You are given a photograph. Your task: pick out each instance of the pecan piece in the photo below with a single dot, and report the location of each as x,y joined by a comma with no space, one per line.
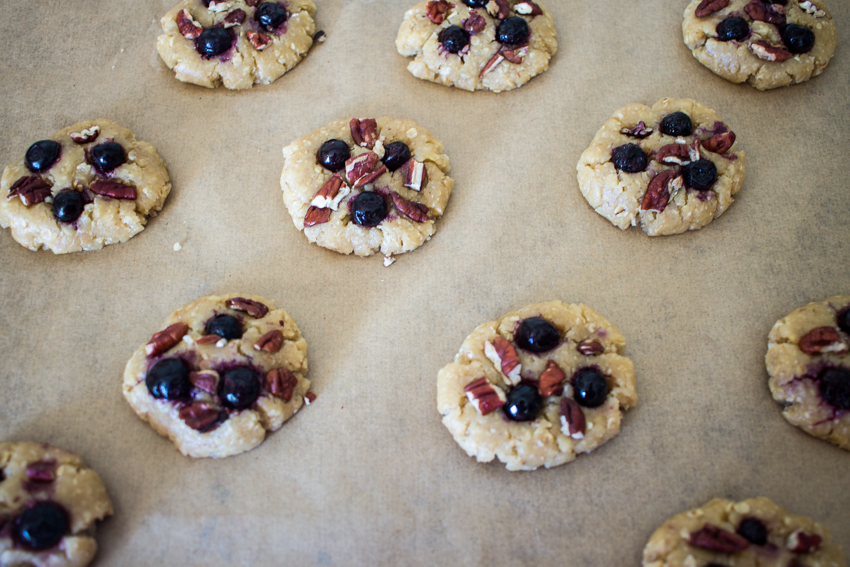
708,7
499,9
253,3
253,308
768,52
316,216
590,347
639,131
309,398
491,64
113,189
475,23
674,154
657,195
504,356
331,194
370,177
572,418
437,10
811,9
206,339
234,18
201,416
189,28
281,383
801,542
719,143
259,40
364,132
166,338
206,380
86,136
822,340
484,396
415,175
32,190
357,167
41,472
270,342
528,8
551,381
514,55
713,538
762,12
414,211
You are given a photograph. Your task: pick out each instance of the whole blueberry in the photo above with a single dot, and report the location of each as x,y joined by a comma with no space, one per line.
369,209
629,158
753,530
591,387
213,41
270,15
677,124
700,175
396,154
108,155
843,319
523,403
41,155
732,29
239,387
68,206
168,379
41,526
333,154
536,334
454,38
227,327
476,3
835,387
512,31
798,39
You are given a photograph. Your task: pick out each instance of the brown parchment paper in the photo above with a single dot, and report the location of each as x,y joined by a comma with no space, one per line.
368,475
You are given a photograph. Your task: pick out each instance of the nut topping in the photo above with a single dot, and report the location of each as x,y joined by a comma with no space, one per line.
205,380
86,136
809,7
657,195
708,7
357,167
639,131
414,211
591,347
415,175
437,10
281,383
309,398
573,422
207,339
719,143
259,40
491,64
32,190
201,416
770,13
504,356
166,338
270,342
764,50
528,8
370,177
234,18
475,23
364,132
552,380
713,538
113,189
253,3
801,542
499,9
316,216
822,340
674,154
514,55
253,308
484,396
189,28
331,194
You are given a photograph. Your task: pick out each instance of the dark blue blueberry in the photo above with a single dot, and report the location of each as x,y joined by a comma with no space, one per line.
369,209
41,526
512,31
753,530
700,175
396,154
454,38
798,39
476,3
835,387
108,155
270,15
629,158
68,206
523,403
225,326
333,155
168,379
677,124
239,388
536,334
732,29
213,41
41,155
591,387
843,319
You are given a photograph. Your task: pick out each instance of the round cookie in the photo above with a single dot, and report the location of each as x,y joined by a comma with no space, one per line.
237,43
49,502
809,367
224,370
91,185
537,387
478,45
367,185
751,533
670,168
767,44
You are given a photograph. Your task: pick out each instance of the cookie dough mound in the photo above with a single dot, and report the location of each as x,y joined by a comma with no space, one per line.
49,502
537,387
367,185
767,44
808,361
224,370
237,43
476,45
670,168
91,185
750,533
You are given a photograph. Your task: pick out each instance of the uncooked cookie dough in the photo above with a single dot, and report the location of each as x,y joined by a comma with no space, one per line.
49,502
809,367
223,370
91,185
367,185
237,43
495,45
537,387
767,44
670,168
750,533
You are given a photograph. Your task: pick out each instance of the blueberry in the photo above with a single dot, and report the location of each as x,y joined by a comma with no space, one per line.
524,402
512,31
108,155
41,526
68,206
225,326
168,379
536,334
369,209
732,29
239,387
476,3
677,124
835,387
333,154
270,15
454,38
42,154
213,41
843,319
629,158
396,154
798,39
700,175
591,387
753,531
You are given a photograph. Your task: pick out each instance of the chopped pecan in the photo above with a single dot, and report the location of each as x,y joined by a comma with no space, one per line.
253,308
499,9
270,342
674,154
364,131
491,64
484,396
259,40
822,340
811,9
357,167
762,12
551,381
41,472
801,542
572,418
414,211
504,356
437,10
415,175
591,347
713,538
768,52
331,194
309,398
113,189
201,416
206,339
694,151
316,216
657,195
234,18
719,143
370,177
639,131
253,3
514,55
86,136
528,8
475,23
206,380
281,383
188,27
708,7
32,190
166,338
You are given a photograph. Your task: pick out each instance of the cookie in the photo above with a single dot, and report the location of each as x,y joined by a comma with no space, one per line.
670,168
537,387
767,44
495,45
367,185
49,502
750,533
223,371
808,361
91,185
237,43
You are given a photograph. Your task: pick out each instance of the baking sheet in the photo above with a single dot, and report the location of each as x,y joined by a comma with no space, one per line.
368,475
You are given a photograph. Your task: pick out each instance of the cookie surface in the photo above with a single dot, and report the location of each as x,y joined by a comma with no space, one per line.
767,44
478,45
90,185
670,168
537,386
49,502
235,43
367,185
809,367
750,533
224,370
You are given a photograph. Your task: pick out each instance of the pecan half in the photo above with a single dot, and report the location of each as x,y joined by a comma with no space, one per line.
357,167
259,40
206,380
528,8
657,195
504,356
206,339
572,418
484,396
475,23
281,383
166,338
234,18
590,347
316,216
822,340
113,189
370,177
708,7
415,175
713,538
86,136
499,9
253,308
719,143
801,542
201,416
762,12
331,194
764,50
551,381
32,190
270,342
674,154
41,472
188,27
414,211
437,10
364,132
639,131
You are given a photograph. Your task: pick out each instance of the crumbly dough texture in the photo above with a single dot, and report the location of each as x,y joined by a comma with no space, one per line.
104,220
617,195
242,66
75,487
243,429
793,373
532,444
669,546
735,62
302,177
418,38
